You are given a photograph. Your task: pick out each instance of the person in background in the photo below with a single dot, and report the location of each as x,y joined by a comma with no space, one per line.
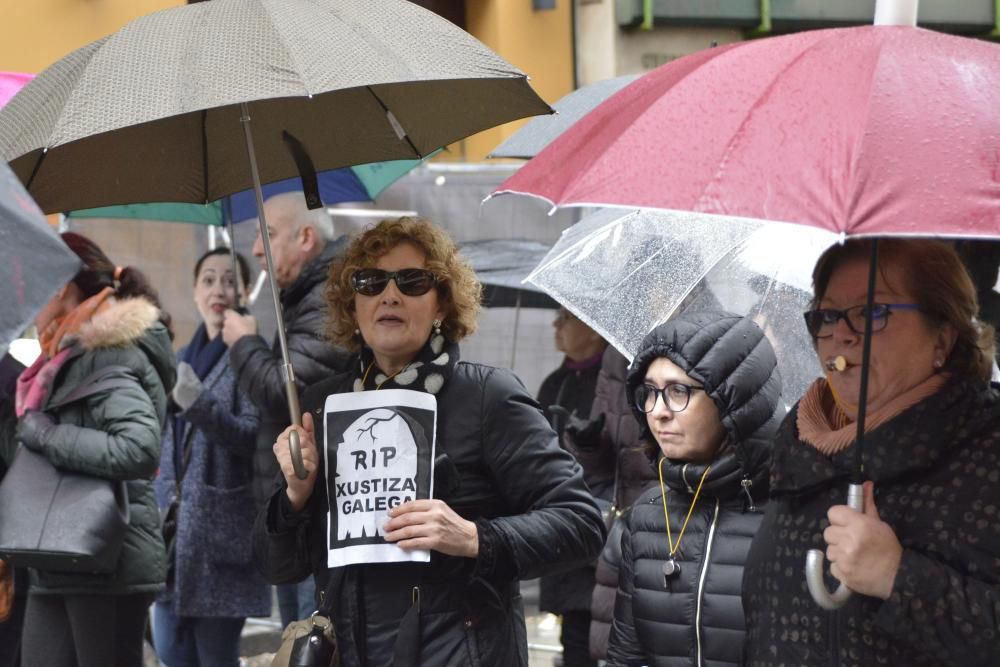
508,504
206,472
615,459
105,316
923,558
706,389
303,247
982,261
568,392
10,628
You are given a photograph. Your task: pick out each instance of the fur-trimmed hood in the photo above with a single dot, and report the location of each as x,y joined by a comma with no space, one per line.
122,323
133,321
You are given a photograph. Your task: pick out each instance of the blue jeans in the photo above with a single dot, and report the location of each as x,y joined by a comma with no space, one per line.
195,642
296,601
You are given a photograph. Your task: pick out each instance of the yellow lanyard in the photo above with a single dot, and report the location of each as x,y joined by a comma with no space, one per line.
379,386
666,515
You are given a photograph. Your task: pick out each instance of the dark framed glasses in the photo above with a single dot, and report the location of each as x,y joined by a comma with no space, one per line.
822,321
675,395
411,282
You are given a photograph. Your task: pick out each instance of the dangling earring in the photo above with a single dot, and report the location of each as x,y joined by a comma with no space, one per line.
357,331
437,327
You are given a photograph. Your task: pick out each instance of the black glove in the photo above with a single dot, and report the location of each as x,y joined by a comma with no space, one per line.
33,429
584,434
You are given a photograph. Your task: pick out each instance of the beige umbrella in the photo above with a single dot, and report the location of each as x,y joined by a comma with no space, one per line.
176,105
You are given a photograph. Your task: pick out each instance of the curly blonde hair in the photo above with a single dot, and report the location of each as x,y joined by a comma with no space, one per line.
459,291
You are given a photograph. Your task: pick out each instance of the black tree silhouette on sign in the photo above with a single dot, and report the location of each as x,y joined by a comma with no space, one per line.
370,427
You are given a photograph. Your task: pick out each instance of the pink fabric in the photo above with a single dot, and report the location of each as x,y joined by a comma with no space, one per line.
868,130
35,383
10,83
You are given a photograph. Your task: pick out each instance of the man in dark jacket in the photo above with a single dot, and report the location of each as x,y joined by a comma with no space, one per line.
303,249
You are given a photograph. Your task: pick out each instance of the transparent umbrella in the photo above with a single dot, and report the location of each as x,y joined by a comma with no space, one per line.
624,274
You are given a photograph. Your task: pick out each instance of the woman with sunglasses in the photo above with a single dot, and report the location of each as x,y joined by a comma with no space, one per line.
923,558
705,389
508,502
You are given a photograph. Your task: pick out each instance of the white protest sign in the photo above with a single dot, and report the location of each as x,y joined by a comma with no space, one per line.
379,452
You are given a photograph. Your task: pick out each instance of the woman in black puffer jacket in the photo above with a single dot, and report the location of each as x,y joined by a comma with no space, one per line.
705,388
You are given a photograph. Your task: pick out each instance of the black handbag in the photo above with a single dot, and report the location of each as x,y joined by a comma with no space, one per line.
59,520
311,642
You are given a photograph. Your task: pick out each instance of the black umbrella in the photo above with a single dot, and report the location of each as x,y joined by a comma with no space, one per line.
161,110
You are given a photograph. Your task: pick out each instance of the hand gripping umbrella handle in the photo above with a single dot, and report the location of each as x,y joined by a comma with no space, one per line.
814,562
294,446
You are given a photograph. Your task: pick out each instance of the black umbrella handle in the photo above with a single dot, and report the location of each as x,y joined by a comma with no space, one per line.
814,562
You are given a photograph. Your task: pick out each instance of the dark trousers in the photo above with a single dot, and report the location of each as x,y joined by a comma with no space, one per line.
84,630
195,642
575,638
10,633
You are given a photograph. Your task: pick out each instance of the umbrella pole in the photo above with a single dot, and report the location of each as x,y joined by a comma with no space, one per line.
295,413
227,214
855,490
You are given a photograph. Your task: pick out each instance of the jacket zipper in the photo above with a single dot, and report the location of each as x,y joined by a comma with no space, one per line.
834,639
701,580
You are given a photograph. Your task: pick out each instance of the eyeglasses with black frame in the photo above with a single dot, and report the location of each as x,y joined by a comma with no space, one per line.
822,321
675,395
411,282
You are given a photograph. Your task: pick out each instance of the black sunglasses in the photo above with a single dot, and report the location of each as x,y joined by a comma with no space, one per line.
411,282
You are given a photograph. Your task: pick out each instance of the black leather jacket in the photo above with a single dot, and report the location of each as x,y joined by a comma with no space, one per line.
507,473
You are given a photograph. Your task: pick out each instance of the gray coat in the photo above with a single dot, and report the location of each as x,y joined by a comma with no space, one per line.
214,575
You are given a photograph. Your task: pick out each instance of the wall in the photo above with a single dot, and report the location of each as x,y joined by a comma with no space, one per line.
538,43
36,33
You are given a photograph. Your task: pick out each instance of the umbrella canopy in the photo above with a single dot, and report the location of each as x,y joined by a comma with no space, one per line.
34,262
355,184
153,112
869,130
501,266
10,83
538,133
176,106
625,273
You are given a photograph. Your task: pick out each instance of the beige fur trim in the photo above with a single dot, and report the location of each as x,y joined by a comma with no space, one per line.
119,325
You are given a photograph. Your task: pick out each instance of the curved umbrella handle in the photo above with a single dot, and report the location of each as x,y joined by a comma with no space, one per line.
814,562
294,446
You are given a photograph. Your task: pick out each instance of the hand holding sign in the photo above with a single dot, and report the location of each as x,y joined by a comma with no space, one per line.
431,524
299,490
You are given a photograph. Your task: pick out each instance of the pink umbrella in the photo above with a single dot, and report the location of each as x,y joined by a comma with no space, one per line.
10,83
880,130
861,131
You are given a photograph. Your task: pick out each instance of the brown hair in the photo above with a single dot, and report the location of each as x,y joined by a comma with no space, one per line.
458,288
947,297
98,272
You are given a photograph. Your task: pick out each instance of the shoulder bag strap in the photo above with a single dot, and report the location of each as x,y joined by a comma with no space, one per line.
108,377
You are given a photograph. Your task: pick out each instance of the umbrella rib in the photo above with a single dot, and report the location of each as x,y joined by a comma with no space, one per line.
734,139
34,170
406,135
